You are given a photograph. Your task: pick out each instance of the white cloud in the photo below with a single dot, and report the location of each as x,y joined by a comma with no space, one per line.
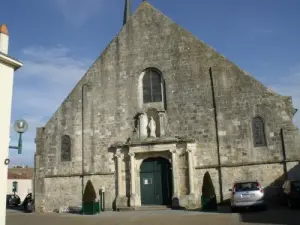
77,12
54,65
47,77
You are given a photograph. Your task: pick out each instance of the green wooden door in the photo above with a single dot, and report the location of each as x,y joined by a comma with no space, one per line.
155,182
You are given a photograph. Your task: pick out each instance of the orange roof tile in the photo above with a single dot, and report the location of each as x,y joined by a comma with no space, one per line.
20,173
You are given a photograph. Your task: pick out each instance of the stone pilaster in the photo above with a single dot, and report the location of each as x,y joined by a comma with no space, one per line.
132,180
189,200
191,171
175,197
121,200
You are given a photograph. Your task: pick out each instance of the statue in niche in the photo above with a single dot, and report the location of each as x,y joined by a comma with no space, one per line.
152,127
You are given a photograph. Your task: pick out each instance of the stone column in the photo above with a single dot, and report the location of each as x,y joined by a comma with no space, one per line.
191,171
120,188
132,179
121,200
174,173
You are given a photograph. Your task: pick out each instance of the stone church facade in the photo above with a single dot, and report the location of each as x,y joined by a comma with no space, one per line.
154,112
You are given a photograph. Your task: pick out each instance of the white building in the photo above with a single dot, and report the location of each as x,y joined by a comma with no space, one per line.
20,181
7,67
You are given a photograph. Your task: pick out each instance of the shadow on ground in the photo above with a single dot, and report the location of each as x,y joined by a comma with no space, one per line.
15,208
276,213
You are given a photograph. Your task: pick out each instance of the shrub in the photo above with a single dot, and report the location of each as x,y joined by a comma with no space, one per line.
208,189
89,194
209,200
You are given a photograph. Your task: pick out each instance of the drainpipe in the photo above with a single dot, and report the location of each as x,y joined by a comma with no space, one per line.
283,154
217,135
82,138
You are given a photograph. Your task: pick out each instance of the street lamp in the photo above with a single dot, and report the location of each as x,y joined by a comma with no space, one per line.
20,126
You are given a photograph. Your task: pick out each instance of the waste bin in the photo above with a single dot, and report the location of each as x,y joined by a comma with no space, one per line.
208,203
91,208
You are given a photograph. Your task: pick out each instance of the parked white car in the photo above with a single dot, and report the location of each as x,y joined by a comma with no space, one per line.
246,194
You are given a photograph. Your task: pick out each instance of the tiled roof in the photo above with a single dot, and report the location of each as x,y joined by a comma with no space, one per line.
20,173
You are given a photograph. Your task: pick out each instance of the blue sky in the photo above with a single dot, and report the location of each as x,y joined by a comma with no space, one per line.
57,40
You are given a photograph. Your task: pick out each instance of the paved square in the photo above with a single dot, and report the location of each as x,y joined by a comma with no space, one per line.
275,215
124,218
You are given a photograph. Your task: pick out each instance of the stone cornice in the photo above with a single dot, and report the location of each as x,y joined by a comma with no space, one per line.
153,141
225,165
78,175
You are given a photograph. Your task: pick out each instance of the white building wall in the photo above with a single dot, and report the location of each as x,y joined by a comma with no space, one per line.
24,187
6,85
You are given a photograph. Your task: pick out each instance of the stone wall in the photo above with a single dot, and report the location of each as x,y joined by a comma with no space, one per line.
270,176
67,191
265,174
150,39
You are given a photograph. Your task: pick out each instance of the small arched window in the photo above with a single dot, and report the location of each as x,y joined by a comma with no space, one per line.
65,148
152,86
258,129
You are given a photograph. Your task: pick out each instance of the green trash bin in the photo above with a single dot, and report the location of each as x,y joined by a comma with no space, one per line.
90,208
208,203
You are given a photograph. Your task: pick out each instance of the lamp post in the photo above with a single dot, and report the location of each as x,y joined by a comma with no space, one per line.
20,127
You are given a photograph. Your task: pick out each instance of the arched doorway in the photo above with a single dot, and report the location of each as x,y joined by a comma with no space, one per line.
156,181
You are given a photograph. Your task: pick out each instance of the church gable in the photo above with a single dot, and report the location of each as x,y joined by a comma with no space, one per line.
145,27
140,39
157,92
108,95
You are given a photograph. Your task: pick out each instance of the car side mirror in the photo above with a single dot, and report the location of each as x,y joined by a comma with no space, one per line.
230,190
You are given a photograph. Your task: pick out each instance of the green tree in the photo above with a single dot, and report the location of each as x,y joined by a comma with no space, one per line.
89,194
208,198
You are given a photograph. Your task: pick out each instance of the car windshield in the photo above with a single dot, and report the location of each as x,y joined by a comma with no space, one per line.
295,185
247,186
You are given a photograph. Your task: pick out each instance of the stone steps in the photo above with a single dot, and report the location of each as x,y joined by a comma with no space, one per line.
153,208
146,208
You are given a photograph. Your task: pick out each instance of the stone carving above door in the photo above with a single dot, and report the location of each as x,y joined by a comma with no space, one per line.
151,124
152,128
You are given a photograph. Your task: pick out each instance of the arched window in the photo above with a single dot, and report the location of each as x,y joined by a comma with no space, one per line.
258,129
152,86
65,148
